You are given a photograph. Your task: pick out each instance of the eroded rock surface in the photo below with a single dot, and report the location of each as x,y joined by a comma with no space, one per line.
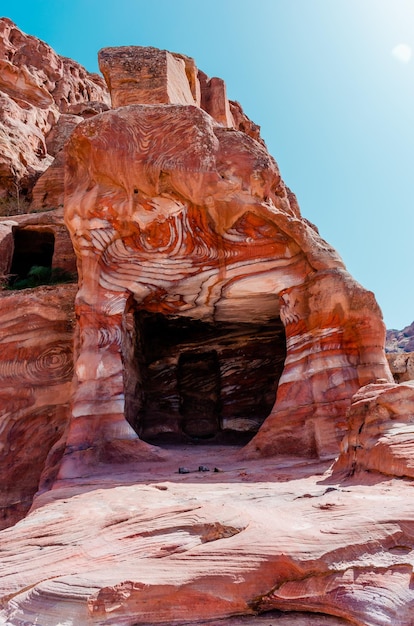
152,546
207,307
36,87
36,370
401,366
380,431
173,214
399,348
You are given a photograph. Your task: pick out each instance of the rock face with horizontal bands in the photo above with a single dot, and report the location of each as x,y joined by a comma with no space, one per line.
380,431
175,216
36,369
208,311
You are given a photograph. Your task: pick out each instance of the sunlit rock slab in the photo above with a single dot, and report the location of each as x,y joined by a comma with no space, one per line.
152,546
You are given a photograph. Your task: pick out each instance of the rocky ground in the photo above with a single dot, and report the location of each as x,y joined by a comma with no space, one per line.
145,544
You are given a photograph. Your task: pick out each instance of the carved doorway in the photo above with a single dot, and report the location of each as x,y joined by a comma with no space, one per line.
198,377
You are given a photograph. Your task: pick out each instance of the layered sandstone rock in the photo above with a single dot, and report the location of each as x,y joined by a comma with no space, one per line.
380,433
36,325
146,545
36,86
174,215
36,369
39,239
36,357
208,310
151,76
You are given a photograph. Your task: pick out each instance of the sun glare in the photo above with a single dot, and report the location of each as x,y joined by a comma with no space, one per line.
402,52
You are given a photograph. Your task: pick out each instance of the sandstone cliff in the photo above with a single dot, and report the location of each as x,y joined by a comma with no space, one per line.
208,312
37,86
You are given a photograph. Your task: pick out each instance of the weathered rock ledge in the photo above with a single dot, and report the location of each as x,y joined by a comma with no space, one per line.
147,545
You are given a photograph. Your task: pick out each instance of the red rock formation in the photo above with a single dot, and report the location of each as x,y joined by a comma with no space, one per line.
36,86
206,302
22,245
152,77
380,433
36,369
173,214
207,306
36,365
146,545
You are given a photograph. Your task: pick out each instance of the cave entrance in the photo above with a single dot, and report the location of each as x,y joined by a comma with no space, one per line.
187,379
32,249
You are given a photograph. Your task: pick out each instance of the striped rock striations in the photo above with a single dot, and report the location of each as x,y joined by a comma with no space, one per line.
36,370
42,97
192,255
380,432
208,311
145,545
36,357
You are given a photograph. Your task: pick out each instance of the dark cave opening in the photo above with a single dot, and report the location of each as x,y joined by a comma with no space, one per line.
190,380
32,249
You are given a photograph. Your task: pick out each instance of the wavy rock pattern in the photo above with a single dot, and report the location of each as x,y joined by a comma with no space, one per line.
150,546
171,213
36,370
203,296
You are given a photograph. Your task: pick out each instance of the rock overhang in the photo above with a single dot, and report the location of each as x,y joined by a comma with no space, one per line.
211,208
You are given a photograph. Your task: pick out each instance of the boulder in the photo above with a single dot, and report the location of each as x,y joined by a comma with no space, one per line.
401,365
380,435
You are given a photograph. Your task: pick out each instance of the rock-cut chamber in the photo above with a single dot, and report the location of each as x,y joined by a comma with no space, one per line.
187,379
32,249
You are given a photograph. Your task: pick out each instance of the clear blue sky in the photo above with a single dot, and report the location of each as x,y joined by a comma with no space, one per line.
331,82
